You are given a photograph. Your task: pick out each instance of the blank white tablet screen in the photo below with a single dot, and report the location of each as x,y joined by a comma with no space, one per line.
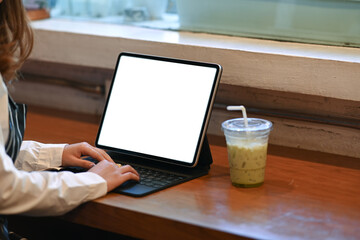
157,107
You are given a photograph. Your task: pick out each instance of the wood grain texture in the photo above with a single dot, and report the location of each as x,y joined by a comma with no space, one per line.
304,195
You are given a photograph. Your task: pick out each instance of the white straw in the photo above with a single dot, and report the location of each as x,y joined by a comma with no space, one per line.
243,110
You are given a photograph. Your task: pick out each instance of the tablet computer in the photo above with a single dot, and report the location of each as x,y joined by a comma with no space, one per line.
158,108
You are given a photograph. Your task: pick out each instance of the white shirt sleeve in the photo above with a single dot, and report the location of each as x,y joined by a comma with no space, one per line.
35,156
44,193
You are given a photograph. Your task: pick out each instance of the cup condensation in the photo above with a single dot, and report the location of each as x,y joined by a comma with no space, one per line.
247,150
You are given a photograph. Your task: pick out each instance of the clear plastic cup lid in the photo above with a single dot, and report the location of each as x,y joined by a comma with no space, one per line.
254,125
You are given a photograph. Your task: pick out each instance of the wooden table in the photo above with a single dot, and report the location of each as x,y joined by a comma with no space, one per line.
306,195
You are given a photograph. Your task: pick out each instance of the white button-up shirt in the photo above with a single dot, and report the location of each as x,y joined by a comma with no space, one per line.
26,190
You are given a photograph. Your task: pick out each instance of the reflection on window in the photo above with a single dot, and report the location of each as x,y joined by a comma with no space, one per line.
334,22
147,13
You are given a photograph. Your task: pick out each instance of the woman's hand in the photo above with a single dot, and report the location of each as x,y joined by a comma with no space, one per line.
113,174
73,153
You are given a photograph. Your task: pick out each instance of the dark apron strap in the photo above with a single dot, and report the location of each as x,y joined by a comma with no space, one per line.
17,120
4,234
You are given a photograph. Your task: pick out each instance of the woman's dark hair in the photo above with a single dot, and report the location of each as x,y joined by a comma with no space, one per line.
16,37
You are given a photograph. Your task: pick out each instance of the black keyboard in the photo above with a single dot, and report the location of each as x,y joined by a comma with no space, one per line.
151,180
154,178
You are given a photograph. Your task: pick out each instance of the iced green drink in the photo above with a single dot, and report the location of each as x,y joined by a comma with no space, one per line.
247,150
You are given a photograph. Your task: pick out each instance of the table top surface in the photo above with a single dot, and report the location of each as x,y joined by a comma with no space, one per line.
306,195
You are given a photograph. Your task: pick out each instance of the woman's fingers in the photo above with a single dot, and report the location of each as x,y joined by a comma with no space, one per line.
94,152
72,155
113,174
101,153
127,168
78,162
127,177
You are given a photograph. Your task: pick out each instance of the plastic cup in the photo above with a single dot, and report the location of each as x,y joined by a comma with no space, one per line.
247,150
